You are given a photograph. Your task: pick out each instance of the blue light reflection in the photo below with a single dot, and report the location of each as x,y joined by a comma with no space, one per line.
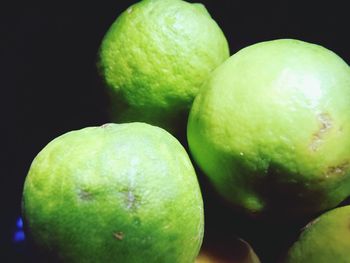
19,236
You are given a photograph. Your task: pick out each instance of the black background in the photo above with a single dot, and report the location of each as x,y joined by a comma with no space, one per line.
50,84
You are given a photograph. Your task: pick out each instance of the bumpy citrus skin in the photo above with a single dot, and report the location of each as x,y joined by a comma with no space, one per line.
271,128
115,193
324,240
155,57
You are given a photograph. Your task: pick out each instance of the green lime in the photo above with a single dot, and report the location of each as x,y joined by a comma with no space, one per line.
324,240
155,57
115,193
271,128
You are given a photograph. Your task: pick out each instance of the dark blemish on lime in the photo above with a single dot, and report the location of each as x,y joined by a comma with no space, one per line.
85,195
118,235
131,199
325,125
339,169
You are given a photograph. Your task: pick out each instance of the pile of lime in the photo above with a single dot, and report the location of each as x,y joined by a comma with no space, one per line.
269,127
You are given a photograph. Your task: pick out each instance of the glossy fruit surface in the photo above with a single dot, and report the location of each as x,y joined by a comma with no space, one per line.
114,193
155,57
326,239
271,128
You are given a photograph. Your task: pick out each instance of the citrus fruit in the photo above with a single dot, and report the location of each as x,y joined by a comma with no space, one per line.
115,193
155,57
271,129
233,250
326,239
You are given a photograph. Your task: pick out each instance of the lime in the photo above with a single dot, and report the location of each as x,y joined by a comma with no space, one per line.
115,193
325,239
271,128
233,250
155,57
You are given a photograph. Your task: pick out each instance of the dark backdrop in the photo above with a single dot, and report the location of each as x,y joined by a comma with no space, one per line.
50,83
